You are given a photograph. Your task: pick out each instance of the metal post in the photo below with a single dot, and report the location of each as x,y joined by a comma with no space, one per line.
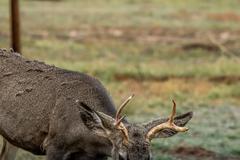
15,26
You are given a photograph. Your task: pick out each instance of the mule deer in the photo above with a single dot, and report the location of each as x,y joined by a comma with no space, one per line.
68,115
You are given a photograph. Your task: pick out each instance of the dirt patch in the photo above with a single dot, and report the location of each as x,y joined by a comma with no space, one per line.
200,153
231,79
194,151
123,77
204,46
225,79
226,16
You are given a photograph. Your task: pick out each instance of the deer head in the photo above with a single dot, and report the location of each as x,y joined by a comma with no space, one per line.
132,141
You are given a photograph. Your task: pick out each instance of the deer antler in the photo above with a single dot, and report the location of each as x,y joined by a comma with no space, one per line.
120,109
167,125
118,119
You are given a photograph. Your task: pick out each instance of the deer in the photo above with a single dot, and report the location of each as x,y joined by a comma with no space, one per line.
67,115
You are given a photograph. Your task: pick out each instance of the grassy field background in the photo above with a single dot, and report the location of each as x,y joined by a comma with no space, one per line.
160,50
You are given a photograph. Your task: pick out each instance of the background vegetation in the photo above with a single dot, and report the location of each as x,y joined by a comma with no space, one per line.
160,50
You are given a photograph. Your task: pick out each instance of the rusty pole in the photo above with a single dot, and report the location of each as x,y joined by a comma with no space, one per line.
15,26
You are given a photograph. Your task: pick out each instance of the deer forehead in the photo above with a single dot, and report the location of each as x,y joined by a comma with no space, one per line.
136,131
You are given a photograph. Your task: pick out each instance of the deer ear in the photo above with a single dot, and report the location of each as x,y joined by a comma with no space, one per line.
180,121
98,122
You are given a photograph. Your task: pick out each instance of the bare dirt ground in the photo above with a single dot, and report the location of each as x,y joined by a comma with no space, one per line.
199,153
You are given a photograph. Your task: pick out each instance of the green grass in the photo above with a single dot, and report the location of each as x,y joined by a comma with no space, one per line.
136,46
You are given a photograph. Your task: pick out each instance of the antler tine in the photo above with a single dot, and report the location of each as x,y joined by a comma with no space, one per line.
120,120
171,118
121,107
167,125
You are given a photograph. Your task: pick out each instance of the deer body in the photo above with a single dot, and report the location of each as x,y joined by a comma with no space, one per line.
63,114
37,103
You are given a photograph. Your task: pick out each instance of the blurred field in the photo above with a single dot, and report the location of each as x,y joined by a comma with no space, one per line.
160,50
